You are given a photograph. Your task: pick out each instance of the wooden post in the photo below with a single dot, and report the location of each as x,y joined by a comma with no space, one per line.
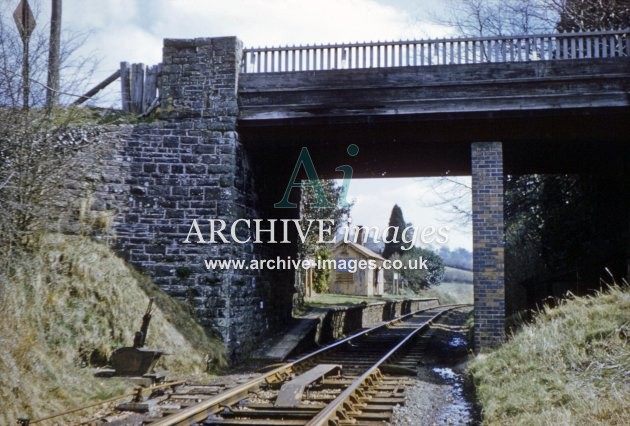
97,88
125,87
150,87
137,87
52,91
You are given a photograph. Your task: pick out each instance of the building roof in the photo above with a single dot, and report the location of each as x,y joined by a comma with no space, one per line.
361,249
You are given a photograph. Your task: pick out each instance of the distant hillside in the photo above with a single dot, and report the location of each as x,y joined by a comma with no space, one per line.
570,367
456,258
68,304
456,275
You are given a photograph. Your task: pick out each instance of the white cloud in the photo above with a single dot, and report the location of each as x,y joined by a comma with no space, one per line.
100,15
133,30
272,22
131,44
374,199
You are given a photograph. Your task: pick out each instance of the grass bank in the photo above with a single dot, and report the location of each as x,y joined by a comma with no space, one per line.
570,367
68,304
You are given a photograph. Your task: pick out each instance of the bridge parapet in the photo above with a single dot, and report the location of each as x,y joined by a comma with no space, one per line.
451,51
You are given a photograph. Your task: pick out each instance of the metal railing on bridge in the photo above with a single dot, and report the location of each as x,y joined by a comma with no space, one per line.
562,46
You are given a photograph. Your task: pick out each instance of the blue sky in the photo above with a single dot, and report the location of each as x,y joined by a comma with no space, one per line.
132,30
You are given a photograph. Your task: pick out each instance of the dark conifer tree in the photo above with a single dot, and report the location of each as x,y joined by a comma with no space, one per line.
395,228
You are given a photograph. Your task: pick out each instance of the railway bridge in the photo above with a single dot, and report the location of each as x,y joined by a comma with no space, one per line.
234,121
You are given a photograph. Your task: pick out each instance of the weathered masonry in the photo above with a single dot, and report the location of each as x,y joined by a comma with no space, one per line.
234,121
192,166
488,255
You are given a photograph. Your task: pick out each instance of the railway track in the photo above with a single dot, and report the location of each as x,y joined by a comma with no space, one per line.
357,380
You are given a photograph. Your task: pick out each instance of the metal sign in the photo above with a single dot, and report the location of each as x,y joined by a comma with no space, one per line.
24,19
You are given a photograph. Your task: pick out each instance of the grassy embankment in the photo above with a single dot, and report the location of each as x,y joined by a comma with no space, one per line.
570,367
69,303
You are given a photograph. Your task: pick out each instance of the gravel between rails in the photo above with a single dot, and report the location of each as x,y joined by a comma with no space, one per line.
438,396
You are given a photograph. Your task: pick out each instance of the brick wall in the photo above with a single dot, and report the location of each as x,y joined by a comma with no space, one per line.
488,244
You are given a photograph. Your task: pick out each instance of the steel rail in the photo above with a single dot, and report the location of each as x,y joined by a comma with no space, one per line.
107,401
204,409
333,409
201,411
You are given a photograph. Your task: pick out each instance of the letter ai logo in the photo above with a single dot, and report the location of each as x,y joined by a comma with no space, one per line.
306,162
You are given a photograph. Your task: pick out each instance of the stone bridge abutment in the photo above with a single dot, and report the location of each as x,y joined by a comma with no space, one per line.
192,165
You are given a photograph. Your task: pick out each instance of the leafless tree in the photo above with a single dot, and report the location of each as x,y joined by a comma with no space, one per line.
74,70
38,149
500,18
591,15
452,195
522,17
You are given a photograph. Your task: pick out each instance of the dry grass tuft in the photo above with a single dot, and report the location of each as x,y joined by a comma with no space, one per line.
570,367
69,304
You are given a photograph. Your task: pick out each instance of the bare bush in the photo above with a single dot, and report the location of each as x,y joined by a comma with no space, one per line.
37,150
38,154
452,195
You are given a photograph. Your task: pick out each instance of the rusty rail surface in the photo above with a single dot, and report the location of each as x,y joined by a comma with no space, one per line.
203,410
135,393
336,409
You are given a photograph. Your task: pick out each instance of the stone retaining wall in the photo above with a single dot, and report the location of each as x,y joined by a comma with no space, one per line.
340,322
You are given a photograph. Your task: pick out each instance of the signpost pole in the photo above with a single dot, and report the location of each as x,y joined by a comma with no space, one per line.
26,72
25,22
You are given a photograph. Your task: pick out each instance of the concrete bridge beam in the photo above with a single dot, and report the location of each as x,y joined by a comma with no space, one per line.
488,244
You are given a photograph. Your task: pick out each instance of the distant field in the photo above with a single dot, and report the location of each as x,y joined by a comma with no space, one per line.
449,292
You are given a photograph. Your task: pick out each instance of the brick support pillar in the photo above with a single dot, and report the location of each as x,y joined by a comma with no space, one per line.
488,244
